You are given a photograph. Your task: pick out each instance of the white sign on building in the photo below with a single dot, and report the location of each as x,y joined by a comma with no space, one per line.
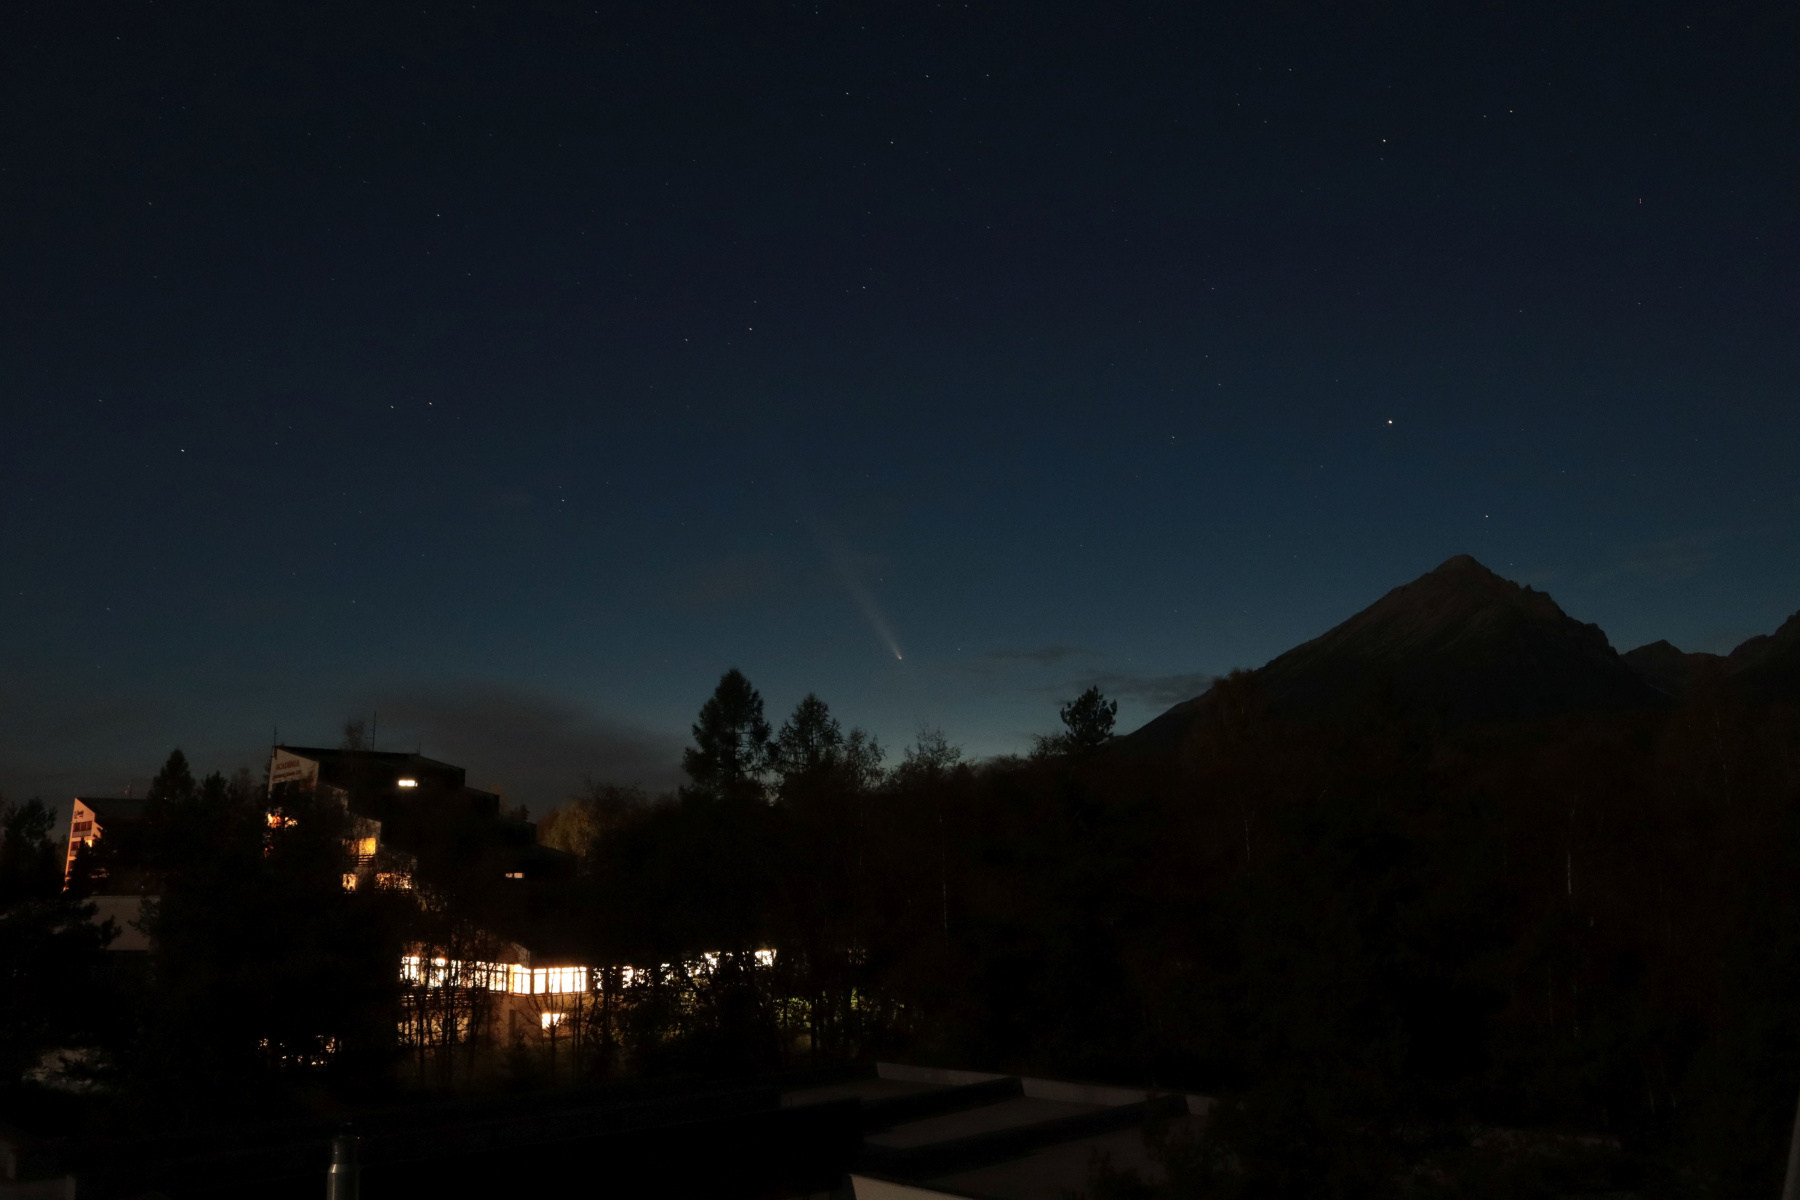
287,767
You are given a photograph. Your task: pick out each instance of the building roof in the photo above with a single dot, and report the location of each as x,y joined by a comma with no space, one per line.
325,755
356,769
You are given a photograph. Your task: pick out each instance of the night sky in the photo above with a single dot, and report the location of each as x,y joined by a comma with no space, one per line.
510,370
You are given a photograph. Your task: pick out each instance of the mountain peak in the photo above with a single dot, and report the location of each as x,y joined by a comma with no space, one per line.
1466,573
1460,563
1463,643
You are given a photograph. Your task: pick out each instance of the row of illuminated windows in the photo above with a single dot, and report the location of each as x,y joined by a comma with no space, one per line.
528,981
399,881
708,963
494,977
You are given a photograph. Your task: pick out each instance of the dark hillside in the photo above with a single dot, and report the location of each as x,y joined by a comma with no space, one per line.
1669,669
1766,669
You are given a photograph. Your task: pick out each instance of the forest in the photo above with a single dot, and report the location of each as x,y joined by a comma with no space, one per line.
1534,957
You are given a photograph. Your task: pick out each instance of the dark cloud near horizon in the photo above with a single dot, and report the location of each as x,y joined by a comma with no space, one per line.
1148,689
58,739
1674,558
1133,687
534,748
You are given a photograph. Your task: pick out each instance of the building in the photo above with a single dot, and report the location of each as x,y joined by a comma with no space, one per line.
409,816
89,817
402,806
513,975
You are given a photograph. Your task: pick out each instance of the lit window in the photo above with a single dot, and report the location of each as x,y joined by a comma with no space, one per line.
561,980
550,1019
515,874
349,882
406,783
516,978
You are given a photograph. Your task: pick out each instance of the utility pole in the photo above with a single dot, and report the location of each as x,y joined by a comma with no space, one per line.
341,1180
1790,1187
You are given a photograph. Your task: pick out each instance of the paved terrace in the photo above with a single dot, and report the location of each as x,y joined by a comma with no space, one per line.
876,1132
931,1132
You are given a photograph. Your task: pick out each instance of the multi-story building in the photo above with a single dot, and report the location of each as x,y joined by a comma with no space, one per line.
408,816
89,817
402,806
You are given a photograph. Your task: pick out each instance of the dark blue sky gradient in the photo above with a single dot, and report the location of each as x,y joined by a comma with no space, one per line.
512,370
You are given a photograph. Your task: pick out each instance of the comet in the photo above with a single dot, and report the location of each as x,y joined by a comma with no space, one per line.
871,611
845,565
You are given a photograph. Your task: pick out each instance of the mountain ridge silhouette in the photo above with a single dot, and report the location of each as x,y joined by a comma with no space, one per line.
1462,644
